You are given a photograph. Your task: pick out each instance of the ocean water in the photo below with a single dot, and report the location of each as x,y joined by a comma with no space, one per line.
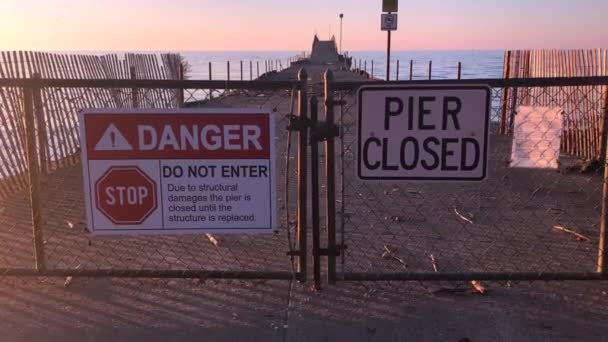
475,64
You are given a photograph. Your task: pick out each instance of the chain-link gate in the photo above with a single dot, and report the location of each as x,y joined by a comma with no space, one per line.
518,224
43,224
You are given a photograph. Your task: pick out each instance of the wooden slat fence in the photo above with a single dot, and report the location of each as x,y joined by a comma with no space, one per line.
584,106
57,108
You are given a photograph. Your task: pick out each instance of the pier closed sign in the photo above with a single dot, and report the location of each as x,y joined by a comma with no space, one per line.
423,132
178,171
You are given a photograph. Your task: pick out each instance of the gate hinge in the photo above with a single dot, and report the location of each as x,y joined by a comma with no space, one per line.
336,251
298,123
322,131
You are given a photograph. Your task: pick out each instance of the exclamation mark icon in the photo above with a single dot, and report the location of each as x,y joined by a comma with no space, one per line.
113,139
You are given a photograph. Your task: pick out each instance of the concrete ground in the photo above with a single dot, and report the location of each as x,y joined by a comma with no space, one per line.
190,310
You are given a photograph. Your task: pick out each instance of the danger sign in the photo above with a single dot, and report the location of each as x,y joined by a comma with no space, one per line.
178,171
423,132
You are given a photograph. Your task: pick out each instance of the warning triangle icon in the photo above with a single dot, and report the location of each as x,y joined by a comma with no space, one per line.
113,140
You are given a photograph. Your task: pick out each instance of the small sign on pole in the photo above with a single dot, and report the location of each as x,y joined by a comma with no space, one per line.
390,5
388,22
423,132
179,171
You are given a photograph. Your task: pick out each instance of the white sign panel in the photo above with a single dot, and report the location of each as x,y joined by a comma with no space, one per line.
179,171
388,22
422,132
537,137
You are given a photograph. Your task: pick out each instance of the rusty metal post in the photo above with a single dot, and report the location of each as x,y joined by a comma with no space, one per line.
314,183
210,79
302,172
602,259
330,179
33,178
43,152
134,91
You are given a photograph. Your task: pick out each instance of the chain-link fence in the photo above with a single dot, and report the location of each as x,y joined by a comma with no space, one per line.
42,230
537,215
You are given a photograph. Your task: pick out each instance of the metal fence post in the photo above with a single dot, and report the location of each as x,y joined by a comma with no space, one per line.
302,173
33,178
505,95
314,194
459,70
134,91
430,69
372,68
411,69
241,70
602,259
330,178
251,70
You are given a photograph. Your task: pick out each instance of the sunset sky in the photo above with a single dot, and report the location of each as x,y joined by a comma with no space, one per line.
290,25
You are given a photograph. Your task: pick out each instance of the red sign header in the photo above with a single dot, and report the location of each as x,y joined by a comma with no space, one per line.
177,136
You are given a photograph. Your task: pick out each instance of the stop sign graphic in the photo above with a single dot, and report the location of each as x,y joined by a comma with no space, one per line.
125,195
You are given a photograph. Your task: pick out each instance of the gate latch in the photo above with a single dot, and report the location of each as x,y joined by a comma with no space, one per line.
322,131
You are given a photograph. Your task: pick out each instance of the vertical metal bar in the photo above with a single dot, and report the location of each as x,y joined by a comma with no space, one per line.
397,76
258,68
30,124
372,68
330,179
388,56
241,70
251,70
302,173
210,79
602,259
314,183
430,69
365,66
411,69
134,91
459,70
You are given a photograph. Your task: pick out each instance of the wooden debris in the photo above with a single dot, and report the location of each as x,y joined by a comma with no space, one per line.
434,262
578,236
70,224
388,254
212,239
535,191
478,286
462,217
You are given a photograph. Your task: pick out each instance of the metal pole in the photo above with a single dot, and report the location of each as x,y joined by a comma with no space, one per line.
34,193
397,76
341,17
602,259
314,183
388,56
251,70
330,178
302,173
180,92
210,79
430,69
372,68
459,70
241,70
411,69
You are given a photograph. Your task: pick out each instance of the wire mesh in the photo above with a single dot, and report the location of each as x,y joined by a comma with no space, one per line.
538,218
